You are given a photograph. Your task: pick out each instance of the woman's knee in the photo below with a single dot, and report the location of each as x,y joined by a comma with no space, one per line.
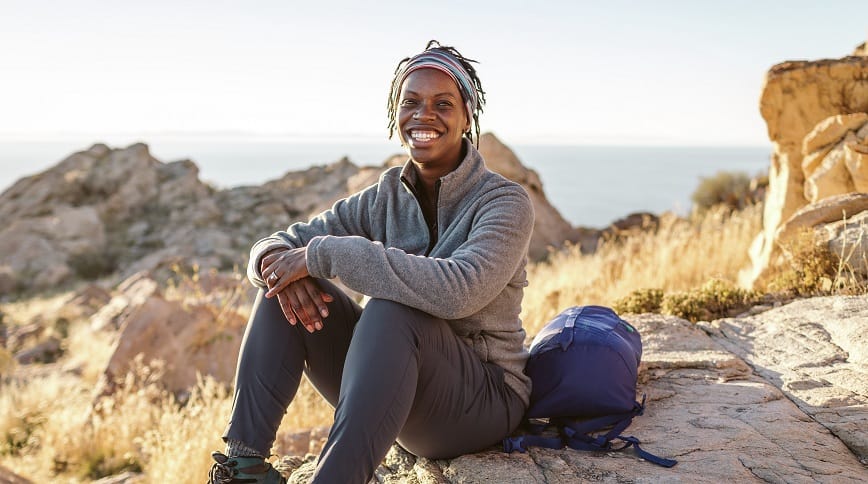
383,314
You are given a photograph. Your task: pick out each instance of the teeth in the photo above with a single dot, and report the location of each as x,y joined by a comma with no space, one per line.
424,135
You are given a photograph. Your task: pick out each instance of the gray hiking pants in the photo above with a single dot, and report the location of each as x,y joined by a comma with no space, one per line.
391,372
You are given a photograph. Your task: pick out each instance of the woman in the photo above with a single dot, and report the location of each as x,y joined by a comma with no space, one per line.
435,359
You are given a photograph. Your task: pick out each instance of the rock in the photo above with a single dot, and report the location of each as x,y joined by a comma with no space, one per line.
131,294
8,281
9,477
301,443
125,478
45,351
832,130
550,228
190,339
715,403
825,211
796,97
816,351
835,157
848,241
861,49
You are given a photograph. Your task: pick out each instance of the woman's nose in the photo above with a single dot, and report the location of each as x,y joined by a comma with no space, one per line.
423,112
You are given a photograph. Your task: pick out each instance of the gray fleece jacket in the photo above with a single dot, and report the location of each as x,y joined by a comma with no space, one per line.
377,242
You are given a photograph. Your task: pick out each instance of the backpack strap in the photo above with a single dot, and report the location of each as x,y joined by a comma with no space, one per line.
578,435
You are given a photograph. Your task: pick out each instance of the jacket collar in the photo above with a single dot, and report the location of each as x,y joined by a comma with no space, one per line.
458,183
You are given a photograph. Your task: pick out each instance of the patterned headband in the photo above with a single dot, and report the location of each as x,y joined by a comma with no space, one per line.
435,59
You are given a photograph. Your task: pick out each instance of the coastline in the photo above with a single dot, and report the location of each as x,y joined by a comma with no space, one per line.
591,185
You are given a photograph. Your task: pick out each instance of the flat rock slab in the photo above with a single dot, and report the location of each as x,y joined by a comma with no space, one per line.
816,351
707,407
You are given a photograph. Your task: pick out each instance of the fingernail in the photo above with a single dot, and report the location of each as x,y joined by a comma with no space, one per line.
324,312
318,325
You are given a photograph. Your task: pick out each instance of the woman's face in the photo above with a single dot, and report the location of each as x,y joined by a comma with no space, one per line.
432,118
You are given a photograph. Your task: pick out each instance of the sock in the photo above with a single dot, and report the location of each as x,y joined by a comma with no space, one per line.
237,448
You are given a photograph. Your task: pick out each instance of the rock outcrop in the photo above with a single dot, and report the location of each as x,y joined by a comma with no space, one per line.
779,396
188,338
103,211
812,110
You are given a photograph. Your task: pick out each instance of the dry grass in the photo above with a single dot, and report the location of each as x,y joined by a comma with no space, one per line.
48,434
680,255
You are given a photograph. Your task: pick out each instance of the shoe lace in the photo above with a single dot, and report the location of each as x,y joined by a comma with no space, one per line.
223,473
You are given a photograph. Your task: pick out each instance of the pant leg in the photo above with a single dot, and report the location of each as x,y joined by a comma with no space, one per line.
408,376
273,356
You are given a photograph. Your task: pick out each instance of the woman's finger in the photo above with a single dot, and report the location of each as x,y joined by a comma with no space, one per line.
316,296
277,284
295,293
285,306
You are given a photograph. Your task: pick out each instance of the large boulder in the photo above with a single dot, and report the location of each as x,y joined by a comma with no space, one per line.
781,396
796,97
187,339
97,210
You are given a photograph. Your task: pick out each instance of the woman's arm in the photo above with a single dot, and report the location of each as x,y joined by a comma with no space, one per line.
346,217
450,288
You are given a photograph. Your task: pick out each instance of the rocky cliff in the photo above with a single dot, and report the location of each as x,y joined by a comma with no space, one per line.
120,211
816,117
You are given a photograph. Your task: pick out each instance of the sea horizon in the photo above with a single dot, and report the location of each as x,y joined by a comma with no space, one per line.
591,185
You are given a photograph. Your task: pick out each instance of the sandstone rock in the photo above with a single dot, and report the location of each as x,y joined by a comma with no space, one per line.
816,351
550,228
835,161
9,477
832,130
848,241
828,210
707,407
861,49
796,97
131,294
125,478
189,339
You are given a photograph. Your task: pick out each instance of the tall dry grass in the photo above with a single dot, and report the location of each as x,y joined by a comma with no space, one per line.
49,434
680,255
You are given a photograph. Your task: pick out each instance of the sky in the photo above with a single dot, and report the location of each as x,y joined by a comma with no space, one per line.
571,72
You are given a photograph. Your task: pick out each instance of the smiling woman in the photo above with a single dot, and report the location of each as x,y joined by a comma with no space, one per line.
435,359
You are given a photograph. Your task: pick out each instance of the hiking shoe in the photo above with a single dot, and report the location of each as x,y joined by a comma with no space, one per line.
242,470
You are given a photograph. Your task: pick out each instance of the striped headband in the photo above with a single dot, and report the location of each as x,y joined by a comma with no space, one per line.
435,59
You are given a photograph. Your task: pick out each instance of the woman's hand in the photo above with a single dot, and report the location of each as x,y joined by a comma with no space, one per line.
301,299
280,267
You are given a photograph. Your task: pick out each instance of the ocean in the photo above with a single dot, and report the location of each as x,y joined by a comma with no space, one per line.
590,185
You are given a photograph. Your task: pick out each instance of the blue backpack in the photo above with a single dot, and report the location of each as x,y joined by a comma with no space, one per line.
584,366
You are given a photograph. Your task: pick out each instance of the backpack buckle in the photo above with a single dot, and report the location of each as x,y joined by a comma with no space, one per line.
511,444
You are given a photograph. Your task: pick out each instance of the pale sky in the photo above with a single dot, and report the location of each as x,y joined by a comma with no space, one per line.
577,72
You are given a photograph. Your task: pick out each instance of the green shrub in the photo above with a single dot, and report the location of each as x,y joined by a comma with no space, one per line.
713,300
725,188
640,301
810,269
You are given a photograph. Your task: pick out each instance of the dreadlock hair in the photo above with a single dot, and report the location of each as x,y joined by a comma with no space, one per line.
467,64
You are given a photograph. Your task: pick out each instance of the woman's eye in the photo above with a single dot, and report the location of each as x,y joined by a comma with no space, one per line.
408,102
